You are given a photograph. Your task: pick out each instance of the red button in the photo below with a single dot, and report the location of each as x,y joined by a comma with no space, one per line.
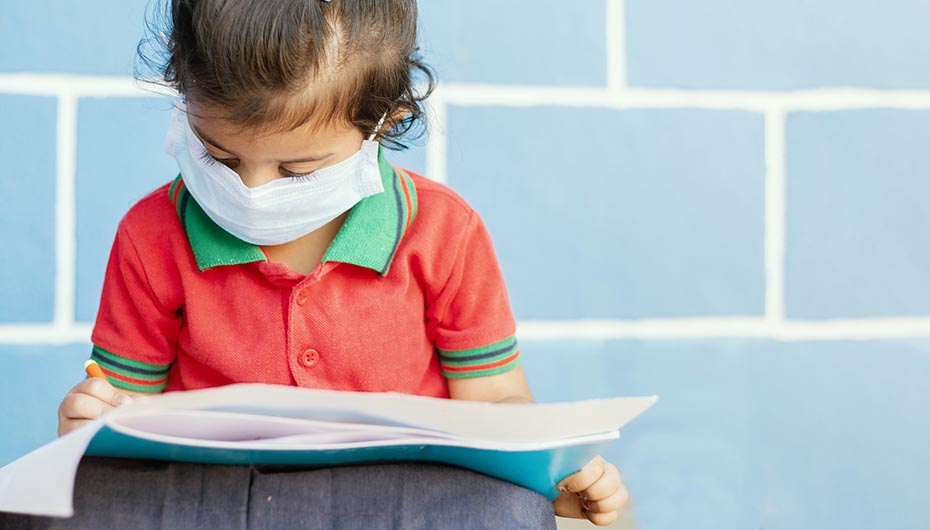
309,358
301,297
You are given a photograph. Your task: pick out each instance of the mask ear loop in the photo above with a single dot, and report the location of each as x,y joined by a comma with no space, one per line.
378,127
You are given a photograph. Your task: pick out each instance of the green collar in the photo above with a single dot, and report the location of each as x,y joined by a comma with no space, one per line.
369,238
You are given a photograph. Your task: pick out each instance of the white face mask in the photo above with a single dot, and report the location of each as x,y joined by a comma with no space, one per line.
279,211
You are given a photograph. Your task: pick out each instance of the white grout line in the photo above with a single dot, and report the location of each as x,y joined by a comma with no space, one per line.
79,85
44,334
437,142
822,99
66,138
775,215
616,45
731,327
576,96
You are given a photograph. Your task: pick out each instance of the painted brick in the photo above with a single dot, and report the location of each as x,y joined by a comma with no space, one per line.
768,45
759,434
515,42
858,232
413,158
71,37
34,381
623,214
27,219
120,159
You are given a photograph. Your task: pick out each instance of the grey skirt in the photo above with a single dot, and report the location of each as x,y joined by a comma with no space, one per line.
120,494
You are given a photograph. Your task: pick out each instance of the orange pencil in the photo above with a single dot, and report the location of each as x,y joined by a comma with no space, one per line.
93,369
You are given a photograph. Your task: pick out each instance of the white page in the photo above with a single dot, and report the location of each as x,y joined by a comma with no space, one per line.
467,419
224,430
228,429
42,482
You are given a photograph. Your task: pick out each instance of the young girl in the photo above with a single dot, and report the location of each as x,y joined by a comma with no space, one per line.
288,251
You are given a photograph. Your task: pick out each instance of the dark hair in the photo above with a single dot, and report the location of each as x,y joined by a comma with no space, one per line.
280,63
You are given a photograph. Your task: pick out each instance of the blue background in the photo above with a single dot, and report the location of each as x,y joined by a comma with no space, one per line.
596,213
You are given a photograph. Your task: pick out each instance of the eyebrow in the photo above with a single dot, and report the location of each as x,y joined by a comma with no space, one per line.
308,158
210,140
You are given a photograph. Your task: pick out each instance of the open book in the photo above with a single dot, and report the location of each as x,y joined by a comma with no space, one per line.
534,446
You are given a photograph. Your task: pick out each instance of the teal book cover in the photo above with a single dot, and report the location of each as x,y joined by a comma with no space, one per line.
532,445
535,469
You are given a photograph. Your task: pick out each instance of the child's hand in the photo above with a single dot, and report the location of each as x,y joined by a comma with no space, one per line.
87,401
596,493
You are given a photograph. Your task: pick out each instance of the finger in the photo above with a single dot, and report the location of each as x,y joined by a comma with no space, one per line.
568,505
602,519
104,391
614,502
581,480
606,485
67,425
83,407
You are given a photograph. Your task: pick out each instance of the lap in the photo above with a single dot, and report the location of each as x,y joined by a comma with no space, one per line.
140,494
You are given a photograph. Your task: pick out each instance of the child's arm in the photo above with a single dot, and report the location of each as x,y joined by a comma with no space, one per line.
135,334
472,327
594,493
508,387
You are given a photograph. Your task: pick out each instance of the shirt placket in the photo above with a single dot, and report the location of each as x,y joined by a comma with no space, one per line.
304,354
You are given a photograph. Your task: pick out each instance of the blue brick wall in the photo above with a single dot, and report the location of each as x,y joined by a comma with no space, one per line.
760,434
39,376
58,36
858,228
718,202
118,163
595,211
769,45
516,42
27,223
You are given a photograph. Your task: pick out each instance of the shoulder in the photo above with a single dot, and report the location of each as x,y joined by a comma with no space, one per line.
152,224
152,210
444,229
444,219
436,200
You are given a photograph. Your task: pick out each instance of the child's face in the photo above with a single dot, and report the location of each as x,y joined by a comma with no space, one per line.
260,157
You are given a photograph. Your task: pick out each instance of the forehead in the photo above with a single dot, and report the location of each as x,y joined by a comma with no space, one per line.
213,126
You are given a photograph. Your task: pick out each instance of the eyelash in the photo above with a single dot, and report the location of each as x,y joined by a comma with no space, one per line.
207,158
211,160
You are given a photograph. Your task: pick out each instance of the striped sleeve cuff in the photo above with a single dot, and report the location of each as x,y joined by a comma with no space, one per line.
493,359
128,374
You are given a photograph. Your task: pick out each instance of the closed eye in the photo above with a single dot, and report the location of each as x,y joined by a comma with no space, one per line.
231,163
291,174
210,160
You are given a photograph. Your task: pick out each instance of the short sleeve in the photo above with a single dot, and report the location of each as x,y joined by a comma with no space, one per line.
135,335
470,320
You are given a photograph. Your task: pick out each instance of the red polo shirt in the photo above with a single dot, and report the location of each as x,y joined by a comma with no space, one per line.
408,293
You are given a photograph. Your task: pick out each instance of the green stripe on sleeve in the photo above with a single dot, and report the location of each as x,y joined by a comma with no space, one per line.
450,356
100,354
481,360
